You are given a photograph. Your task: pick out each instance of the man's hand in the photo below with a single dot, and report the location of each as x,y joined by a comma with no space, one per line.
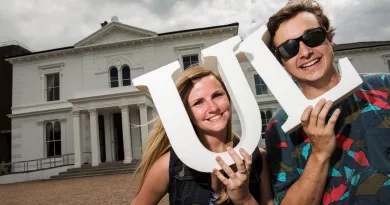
321,135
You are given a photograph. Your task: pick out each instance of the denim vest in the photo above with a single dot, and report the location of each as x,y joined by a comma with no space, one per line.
188,186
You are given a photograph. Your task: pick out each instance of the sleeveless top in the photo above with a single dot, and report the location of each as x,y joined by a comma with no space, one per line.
188,186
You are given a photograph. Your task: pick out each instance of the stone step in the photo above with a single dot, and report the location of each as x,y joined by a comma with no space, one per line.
101,168
79,175
98,169
105,165
96,172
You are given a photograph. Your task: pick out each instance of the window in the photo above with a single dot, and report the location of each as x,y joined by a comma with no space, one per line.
126,76
53,87
53,139
114,80
190,60
265,118
260,86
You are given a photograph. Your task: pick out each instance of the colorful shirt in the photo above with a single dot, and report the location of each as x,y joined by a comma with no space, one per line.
359,170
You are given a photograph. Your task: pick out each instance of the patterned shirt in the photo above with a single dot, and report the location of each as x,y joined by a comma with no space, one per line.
359,171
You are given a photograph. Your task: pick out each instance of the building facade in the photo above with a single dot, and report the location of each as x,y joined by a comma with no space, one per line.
80,99
7,49
366,57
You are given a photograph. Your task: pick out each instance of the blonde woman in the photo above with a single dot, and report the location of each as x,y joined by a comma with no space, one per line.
208,105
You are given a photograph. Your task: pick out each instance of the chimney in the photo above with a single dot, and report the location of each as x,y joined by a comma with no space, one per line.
104,24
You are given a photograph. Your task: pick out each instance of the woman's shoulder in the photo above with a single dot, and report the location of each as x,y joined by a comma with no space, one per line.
163,161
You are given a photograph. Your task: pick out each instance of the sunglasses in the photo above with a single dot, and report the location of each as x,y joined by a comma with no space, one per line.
311,38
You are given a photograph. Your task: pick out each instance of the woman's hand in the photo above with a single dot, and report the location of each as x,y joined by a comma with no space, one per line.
238,183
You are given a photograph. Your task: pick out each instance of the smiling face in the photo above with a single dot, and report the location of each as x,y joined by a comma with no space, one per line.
209,106
310,65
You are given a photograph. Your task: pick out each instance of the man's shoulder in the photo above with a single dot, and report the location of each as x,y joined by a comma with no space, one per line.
376,80
280,115
274,126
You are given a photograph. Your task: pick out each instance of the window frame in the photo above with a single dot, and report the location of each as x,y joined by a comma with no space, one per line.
187,50
53,141
255,88
190,56
118,77
122,76
47,88
46,70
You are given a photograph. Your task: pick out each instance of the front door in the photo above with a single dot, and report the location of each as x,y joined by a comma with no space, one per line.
118,137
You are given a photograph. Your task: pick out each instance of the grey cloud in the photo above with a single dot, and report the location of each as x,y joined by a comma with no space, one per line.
53,24
362,21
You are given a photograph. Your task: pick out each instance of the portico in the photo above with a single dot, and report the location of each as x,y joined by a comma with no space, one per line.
110,126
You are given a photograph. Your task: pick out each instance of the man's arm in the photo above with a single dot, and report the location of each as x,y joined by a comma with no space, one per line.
309,187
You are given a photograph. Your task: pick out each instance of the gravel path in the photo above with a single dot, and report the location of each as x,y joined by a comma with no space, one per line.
109,189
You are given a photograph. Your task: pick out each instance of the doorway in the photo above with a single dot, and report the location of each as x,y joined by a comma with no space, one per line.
118,137
5,147
102,137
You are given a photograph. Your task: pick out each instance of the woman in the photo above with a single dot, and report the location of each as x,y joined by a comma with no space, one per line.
208,105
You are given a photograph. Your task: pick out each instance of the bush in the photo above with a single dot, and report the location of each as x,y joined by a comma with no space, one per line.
4,168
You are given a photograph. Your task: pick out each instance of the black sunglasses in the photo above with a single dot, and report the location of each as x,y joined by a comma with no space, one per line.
311,38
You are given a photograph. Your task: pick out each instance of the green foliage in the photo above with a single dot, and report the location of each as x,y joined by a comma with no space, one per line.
4,168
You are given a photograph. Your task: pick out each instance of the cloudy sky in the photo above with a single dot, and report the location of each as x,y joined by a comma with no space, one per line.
48,24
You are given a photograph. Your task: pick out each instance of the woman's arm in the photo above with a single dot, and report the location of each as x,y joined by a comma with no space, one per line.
265,184
156,183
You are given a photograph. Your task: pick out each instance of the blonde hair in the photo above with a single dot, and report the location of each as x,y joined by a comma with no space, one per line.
157,143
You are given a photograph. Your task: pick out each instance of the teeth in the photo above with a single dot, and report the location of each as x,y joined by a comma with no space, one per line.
310,63
215,117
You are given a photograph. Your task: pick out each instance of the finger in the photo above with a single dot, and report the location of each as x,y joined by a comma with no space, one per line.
332,120
314,114
306,116
323,114
239,162
225,167
247,159
221,177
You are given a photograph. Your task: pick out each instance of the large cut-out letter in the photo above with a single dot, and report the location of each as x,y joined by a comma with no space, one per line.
175,118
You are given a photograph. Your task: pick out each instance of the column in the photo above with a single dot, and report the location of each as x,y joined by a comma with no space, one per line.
63,135
95,145
76,139
108,137
126,133
143,116
42,131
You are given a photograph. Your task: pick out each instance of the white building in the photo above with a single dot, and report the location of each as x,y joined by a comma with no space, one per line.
366,57
80,99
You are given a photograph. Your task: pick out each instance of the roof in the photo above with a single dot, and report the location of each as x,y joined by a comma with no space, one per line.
198,29
358,45
161,34
44,51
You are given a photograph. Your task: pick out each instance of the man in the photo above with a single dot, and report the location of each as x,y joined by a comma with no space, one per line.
340,155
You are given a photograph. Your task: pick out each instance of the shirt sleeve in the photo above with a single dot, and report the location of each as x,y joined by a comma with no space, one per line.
283,159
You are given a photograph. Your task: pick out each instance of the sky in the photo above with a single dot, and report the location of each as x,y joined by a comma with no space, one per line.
48,24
